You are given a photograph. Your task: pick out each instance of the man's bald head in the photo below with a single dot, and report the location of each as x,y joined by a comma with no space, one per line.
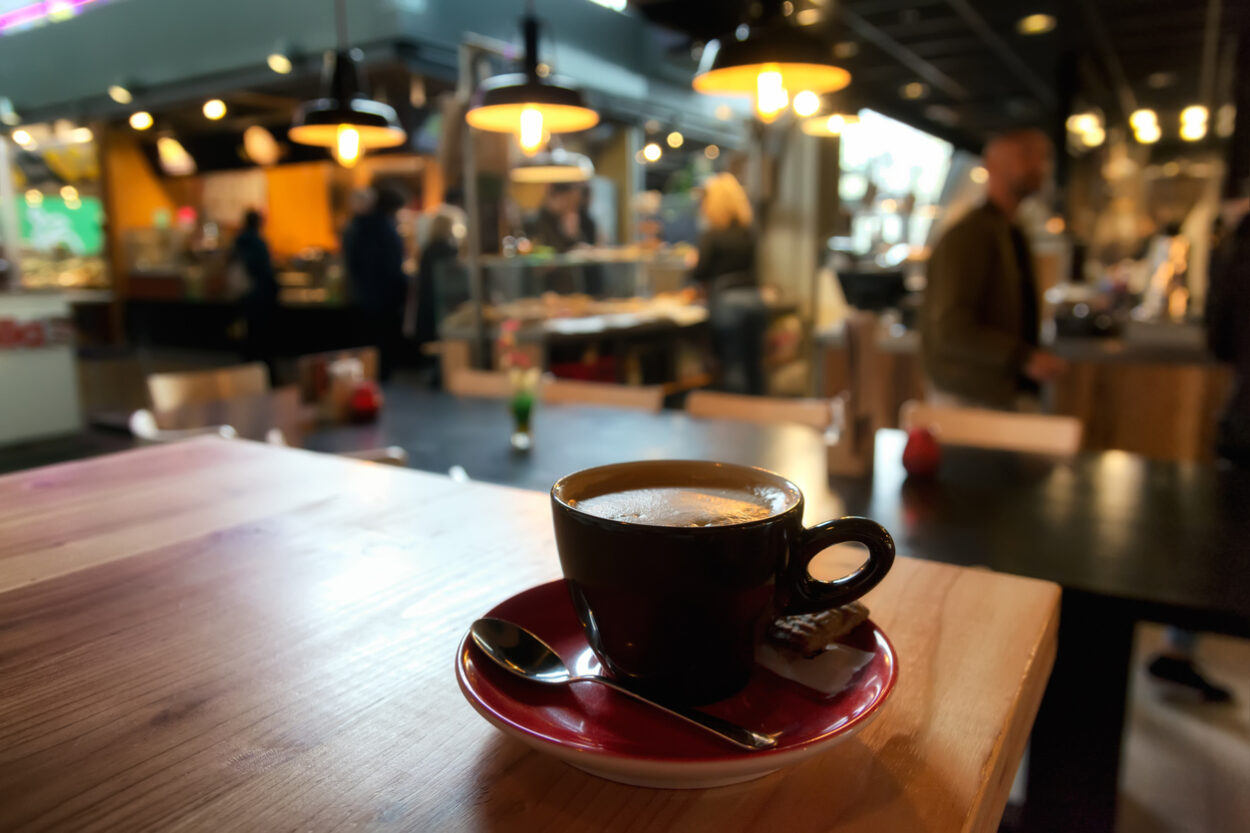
1018,162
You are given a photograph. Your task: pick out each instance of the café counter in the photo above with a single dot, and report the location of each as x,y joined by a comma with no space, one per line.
38,368
1154,390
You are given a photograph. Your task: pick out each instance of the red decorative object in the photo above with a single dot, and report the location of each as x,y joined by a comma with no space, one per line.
922,454
366,401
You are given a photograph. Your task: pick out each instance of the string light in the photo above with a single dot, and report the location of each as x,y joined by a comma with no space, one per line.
141,120
214,109
279,63
652,152
806,103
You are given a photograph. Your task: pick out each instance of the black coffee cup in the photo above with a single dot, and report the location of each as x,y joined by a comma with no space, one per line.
675,612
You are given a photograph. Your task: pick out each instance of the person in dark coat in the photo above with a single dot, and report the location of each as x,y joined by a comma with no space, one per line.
557,223
438,261
374,255
260,304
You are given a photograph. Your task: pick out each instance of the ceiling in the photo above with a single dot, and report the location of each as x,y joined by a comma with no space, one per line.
980,74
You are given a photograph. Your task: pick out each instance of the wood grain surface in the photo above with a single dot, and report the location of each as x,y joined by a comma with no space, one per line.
220,635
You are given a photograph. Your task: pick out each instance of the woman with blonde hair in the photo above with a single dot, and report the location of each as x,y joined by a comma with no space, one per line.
727,245
726,272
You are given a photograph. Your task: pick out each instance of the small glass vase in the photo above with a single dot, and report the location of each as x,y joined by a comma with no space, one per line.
521,405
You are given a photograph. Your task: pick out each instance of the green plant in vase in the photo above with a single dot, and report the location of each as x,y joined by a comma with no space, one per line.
524,378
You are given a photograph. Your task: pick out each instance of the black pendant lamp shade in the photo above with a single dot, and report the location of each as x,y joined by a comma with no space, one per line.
317,122
555,165
501,100
804,61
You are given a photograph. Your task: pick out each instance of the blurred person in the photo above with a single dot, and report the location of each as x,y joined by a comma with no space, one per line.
260,302
594,280
725,272
557,223
442,249
374,255
979,321
1228,338
727,242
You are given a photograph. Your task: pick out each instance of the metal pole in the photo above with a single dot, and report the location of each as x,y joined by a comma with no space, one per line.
8,218
473,255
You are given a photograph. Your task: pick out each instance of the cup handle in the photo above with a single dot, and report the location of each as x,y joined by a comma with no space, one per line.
807,594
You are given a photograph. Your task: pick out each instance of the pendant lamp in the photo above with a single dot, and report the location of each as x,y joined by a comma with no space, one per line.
832,124
554,165
346,119
775,61
527,104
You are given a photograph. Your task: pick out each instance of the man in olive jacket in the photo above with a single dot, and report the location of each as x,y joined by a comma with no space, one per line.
979,324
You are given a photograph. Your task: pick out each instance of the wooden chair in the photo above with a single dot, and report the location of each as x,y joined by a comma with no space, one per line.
815,413
170,391
637,397
1033,433
488,384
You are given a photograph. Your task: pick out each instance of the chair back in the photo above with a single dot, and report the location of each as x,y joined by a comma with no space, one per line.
170,391
815,413
251,417
1032,433
637,397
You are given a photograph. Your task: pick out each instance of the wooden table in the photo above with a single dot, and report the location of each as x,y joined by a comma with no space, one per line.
229,636
1129,539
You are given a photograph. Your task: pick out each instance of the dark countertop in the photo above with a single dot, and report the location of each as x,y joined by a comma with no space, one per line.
1140,343
1171,539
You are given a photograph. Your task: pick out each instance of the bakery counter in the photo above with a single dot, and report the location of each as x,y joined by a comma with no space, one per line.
299,328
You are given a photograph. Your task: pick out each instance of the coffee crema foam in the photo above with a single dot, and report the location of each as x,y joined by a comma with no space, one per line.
686,506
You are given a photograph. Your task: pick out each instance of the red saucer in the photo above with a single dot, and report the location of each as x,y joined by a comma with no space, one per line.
611,735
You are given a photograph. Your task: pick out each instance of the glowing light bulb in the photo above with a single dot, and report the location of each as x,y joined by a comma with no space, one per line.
531,133
214,109
120,94
1194,113
806,103
279,63
22,137
1148,134
1093,138
347,145
34,197
1142,118
652,152
69,192
770,97
1083,122
141,120
1193,131
836,124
